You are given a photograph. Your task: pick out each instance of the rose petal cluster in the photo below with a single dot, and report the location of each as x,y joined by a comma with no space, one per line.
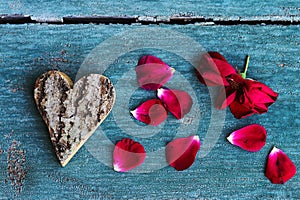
279,167
180,153
244,96
152,73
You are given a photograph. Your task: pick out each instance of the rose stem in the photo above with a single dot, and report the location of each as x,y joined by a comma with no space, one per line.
246,66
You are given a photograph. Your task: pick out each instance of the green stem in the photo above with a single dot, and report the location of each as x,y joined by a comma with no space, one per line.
246,67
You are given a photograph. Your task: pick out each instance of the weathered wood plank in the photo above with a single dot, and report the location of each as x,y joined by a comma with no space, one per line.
143,7
226,172
146,20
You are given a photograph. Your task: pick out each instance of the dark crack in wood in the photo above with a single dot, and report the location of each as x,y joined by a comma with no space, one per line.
15,19
146,20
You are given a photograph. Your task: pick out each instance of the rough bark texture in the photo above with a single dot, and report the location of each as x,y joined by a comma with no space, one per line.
72,114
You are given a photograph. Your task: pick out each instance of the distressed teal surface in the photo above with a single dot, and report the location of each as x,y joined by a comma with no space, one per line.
227,172
224,8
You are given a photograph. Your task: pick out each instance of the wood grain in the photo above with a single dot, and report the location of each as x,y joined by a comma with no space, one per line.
144,7
226,172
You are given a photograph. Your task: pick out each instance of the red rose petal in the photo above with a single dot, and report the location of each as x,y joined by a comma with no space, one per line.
259,92
151,112
250,138
264,88
178,102
213,69
128,154
150,59
241,110
216,55
250,97
225,97
152,73
279,167
181,152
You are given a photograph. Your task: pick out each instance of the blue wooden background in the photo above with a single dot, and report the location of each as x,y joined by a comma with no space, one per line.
227,172
56,8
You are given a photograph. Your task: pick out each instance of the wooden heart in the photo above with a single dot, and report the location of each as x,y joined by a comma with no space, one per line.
72,114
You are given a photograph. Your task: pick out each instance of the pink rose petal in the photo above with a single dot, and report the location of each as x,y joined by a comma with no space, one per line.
279,167
250,138
181,152
128,154
213,69
152,73
151,112
178,102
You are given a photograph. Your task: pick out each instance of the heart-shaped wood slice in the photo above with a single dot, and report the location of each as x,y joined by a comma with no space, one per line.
72,114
